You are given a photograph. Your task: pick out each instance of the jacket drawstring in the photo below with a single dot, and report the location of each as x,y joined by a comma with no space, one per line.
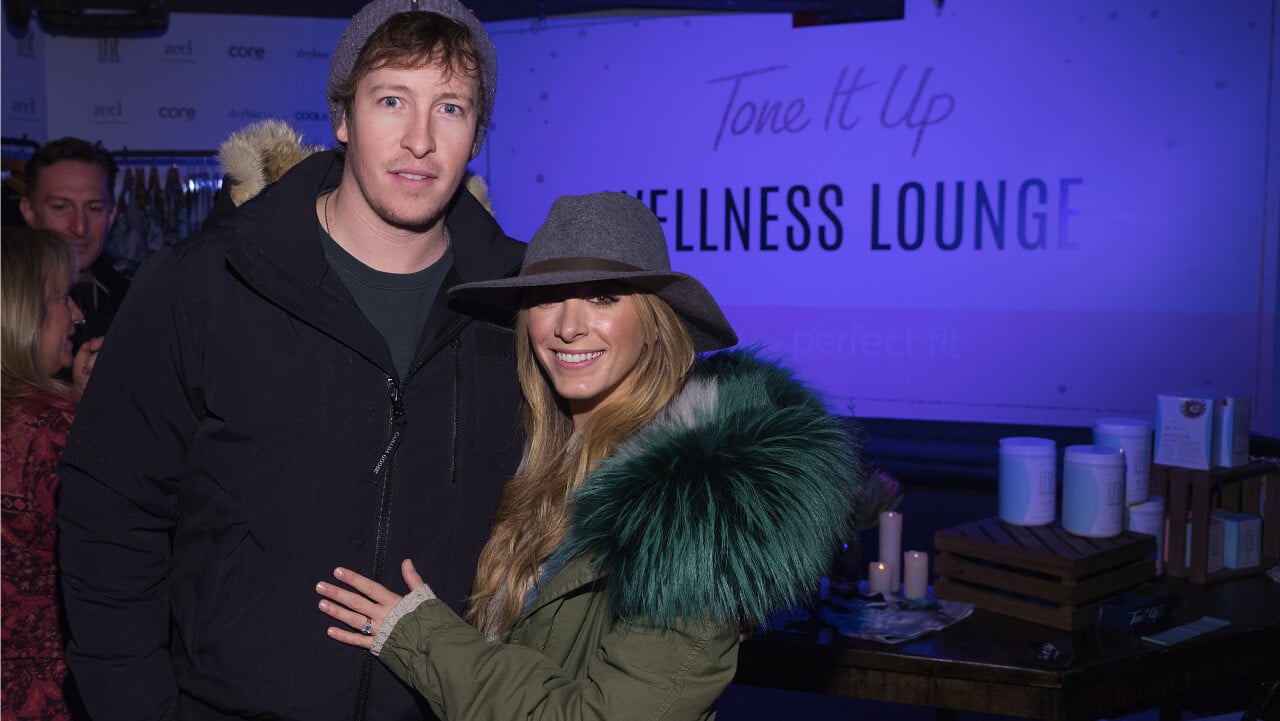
457,410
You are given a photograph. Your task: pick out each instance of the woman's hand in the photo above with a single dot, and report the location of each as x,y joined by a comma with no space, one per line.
82,364
364,608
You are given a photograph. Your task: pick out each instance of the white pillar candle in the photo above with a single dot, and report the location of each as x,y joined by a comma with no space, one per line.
891,546
877,578
915,574
895,576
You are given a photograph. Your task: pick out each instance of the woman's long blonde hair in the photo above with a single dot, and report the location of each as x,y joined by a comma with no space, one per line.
33,265
532,516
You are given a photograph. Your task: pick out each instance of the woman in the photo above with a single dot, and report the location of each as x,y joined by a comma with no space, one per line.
39,319
663,504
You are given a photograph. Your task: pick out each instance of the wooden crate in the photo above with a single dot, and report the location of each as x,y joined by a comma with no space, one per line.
1041,574
1193,494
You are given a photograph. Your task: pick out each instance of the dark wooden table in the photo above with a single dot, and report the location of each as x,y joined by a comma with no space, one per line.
980,663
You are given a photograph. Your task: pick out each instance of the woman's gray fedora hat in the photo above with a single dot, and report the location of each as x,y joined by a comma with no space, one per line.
602,237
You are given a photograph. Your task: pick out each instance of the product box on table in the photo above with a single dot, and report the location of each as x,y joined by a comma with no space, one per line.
1041,574
1241,538
1213,550
1230,431
1184,430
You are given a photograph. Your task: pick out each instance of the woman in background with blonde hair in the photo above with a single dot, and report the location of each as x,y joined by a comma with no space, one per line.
39,317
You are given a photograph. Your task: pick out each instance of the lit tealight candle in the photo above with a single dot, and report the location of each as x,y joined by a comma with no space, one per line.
915,574
878,576
891,546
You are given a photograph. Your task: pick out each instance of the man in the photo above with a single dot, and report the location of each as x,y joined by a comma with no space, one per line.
289,392
70,184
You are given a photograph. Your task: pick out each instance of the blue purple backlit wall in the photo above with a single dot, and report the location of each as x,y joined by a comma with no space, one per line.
1004,211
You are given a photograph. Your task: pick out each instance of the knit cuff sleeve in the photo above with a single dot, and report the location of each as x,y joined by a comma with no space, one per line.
404,607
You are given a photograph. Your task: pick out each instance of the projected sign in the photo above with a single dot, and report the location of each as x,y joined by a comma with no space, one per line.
1002,212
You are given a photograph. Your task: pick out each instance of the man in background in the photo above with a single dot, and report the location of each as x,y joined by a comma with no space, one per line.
290,390
70,186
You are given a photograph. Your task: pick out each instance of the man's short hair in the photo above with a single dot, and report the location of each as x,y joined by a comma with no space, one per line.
70,148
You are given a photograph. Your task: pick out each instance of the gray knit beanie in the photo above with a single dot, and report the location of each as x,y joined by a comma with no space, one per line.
375,13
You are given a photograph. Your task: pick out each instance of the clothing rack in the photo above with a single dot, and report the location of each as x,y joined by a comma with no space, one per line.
15,153
23,144
162,196
127,154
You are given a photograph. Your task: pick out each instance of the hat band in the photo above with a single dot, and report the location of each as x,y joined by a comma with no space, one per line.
560,265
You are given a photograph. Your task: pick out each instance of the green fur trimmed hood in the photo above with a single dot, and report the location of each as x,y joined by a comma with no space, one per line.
727,506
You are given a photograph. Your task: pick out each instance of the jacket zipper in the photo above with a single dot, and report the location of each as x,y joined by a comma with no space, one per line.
396,393
385,468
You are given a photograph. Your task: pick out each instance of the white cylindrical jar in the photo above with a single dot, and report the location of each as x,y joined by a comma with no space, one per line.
1148,518
1028,480
1133,436
1093,491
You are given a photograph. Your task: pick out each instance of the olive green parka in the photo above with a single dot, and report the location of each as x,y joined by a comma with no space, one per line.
721,511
